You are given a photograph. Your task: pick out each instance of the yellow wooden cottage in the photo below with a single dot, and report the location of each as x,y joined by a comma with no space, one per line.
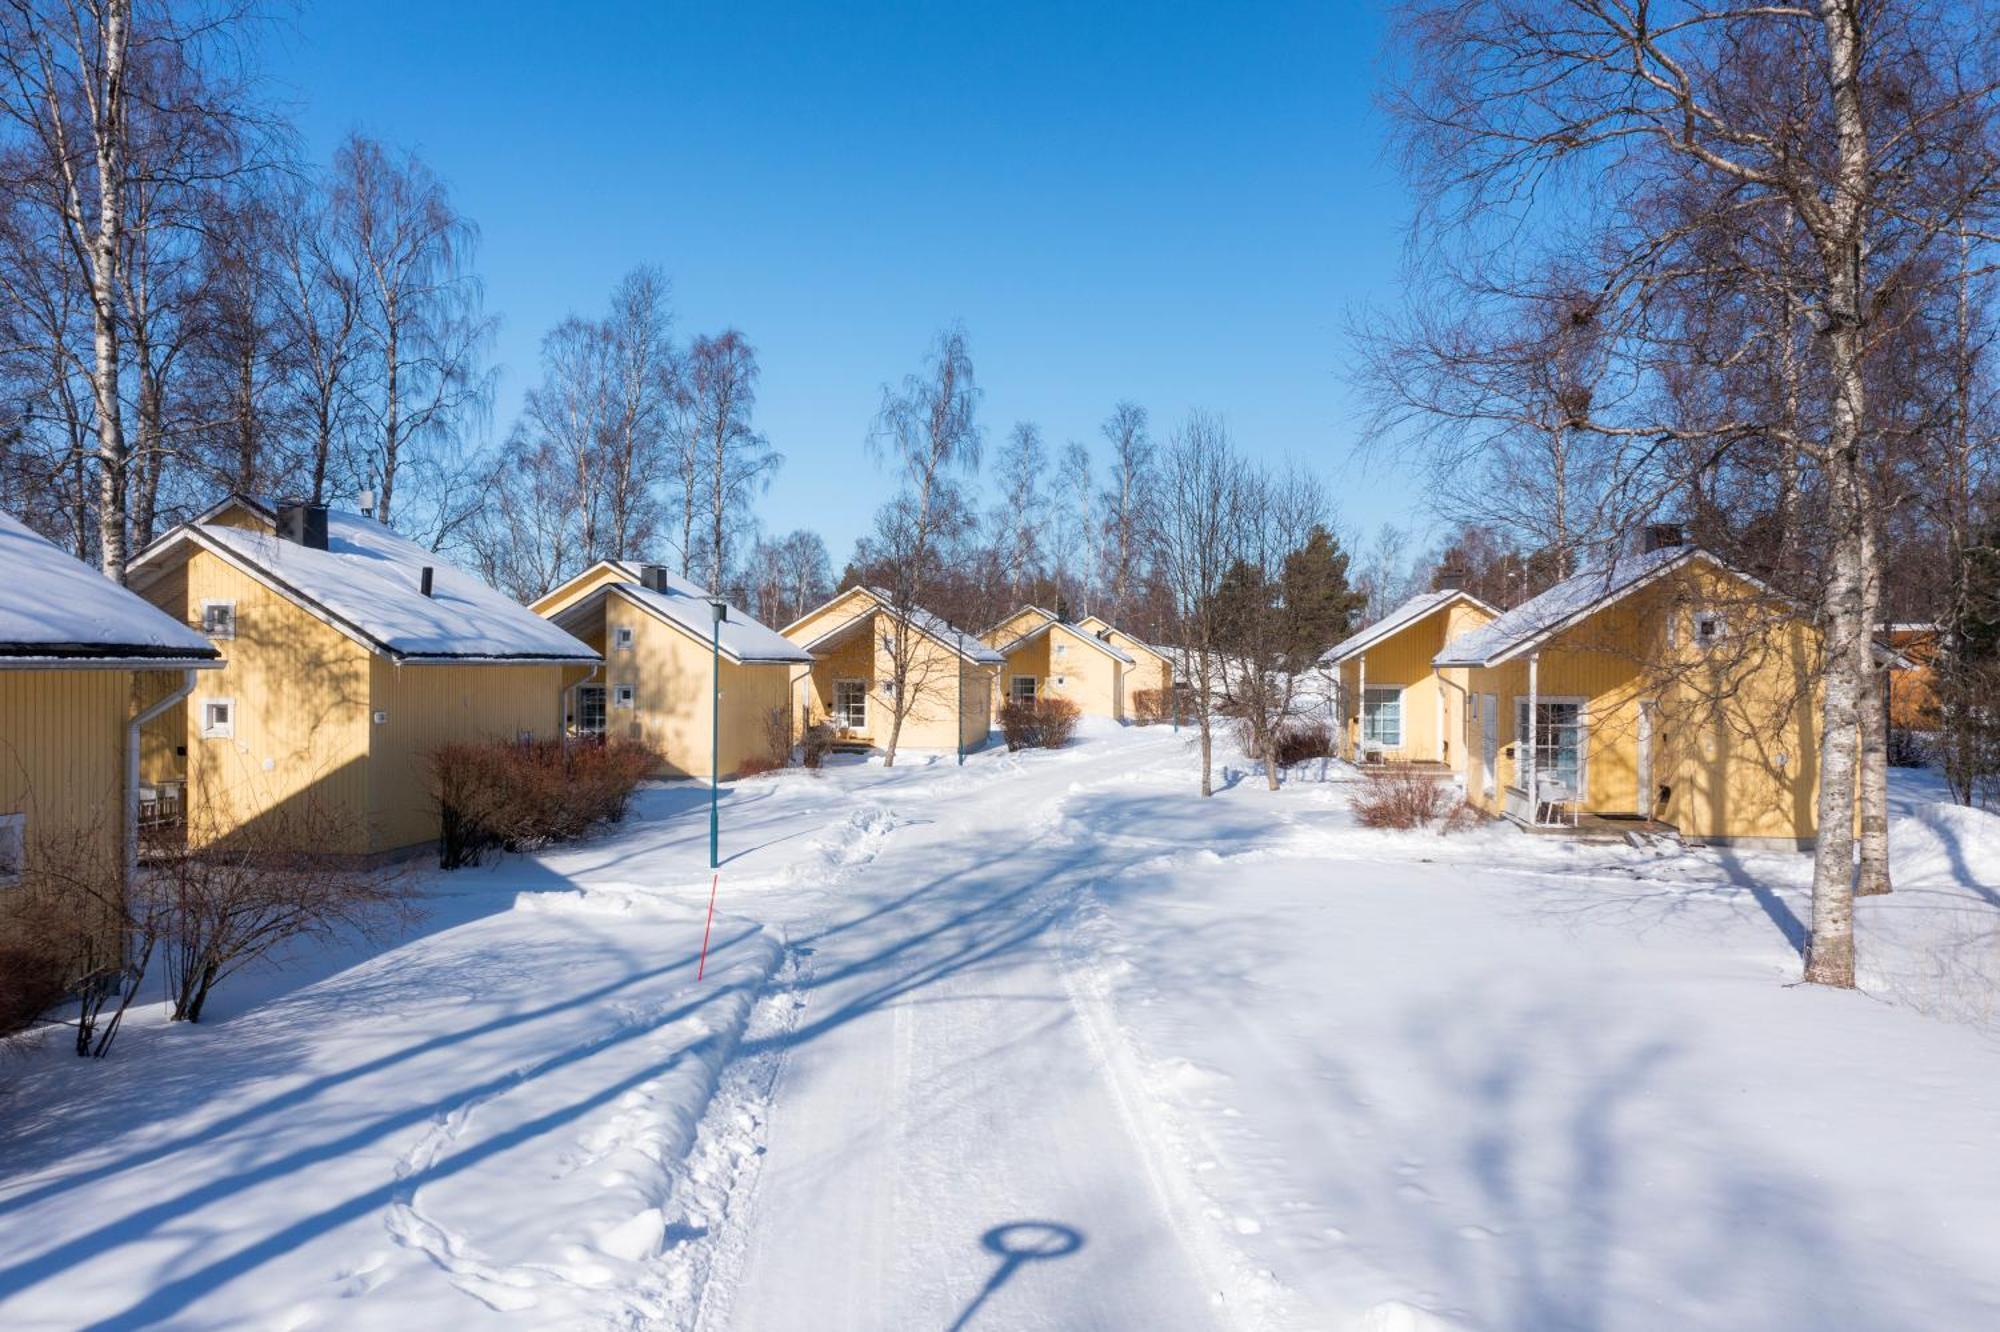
671,651
1046,657
84,664
350,654
1661,689
852,640
1394,704
1150,678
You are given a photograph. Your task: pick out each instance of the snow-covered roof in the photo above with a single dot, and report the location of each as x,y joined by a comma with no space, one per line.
1050,624
686,606
1562,605
53,607
368,584
934,627
1405,615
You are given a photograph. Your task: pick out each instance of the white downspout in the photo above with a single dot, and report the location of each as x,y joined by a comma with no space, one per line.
132,770
1360,706
1534,712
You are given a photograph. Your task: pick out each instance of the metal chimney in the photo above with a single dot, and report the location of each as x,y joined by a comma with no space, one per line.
1661,536
302,523
424,580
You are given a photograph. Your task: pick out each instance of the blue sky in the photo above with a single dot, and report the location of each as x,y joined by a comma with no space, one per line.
1175,204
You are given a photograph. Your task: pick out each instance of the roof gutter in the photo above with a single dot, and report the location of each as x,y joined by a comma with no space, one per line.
110,663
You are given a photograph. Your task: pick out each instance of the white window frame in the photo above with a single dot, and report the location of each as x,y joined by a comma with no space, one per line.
1062,649
1718,628
1582,738
621,638
227,730
13,848
217,603
1379,740
1014,694
602,694
625,697
843,711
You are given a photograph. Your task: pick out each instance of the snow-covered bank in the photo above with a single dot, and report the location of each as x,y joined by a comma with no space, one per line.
1504,1083
1048,1041
491,1119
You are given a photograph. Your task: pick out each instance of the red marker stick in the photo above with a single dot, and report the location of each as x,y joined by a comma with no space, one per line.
703,964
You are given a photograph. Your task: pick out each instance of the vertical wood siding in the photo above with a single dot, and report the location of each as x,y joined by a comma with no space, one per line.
62,759
432,705
298,758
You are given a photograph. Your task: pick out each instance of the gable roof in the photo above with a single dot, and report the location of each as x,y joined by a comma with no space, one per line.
934,627
1575,598
1051,624
1402,617
56,609
367,584
742,640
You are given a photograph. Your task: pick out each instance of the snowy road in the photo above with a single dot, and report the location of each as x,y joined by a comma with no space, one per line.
943,1113
1049,1042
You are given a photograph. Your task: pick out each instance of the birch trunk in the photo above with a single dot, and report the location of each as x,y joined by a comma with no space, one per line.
1874,734
390,404
1830,946
106,249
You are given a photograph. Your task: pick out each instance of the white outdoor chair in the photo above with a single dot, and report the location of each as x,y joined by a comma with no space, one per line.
1553,798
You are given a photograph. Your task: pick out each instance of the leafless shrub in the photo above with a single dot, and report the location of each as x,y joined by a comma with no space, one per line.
817,744
217,903
777,740
516,796
1409,800
1150,706
1298,741
757,765
63,936
1043,723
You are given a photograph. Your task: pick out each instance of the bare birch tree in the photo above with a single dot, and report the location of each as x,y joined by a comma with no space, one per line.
1622,138
726,461
927,434
1201,491
1127,503
412,250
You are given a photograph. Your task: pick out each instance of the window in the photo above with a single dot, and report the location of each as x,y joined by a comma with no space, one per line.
590,709
1708,628
218,619
1021,689
621,638
218,718
1382,717
850,704
1558,739
624,696
1062,649
13,847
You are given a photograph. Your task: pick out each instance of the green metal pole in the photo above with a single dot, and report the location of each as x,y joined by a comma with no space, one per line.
715,744
961,709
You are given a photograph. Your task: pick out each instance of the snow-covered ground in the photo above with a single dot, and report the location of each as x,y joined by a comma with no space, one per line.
1049,1042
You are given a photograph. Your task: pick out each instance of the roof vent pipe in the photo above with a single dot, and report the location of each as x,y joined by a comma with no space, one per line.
1661,536
424,580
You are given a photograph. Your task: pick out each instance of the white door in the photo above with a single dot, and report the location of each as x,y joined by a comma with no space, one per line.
1489,728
